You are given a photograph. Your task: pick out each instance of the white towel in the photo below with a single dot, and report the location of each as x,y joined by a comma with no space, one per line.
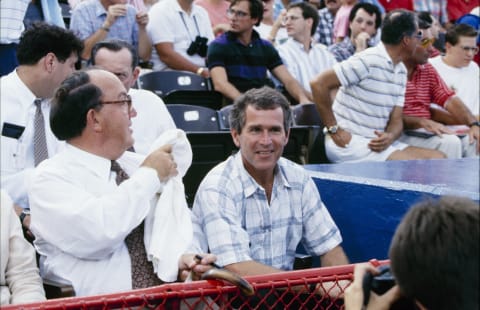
168,227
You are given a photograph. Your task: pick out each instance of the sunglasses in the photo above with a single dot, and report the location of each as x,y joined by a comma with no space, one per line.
425,42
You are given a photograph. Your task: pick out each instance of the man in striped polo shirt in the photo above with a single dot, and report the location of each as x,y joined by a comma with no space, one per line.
425,86
365,119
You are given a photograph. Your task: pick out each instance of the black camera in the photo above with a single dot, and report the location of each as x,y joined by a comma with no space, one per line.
199,46
378,284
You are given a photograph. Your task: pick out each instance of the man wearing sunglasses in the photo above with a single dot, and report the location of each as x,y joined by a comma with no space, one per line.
364,121
425,86
457,67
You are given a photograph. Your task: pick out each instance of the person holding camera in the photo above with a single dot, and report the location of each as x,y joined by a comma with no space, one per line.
434,260
180,32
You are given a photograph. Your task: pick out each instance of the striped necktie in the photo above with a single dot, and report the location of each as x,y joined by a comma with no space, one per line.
40,151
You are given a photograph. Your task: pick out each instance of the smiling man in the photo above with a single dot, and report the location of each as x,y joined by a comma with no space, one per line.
256,207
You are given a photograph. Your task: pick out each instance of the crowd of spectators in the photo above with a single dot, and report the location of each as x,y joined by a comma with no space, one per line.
386,81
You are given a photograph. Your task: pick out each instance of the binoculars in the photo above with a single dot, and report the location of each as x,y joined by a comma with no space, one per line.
199,46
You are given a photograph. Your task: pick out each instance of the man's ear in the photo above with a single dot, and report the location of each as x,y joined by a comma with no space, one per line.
448,46
49,62
135,74
235,137
286,137
94,120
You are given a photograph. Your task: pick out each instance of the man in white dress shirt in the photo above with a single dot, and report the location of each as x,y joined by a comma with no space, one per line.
47,55
303,58
153,118
93,210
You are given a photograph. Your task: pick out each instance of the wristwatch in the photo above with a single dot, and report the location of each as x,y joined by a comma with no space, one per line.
476,123
331,130
24,213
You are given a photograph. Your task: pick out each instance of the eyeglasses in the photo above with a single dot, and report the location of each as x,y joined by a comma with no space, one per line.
425,42
122,102
290,17
473,49
240,14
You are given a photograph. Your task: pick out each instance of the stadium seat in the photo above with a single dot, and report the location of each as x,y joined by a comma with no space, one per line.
194,118
307,115
209,149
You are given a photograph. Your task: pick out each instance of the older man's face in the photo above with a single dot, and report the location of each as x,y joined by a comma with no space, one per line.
114,118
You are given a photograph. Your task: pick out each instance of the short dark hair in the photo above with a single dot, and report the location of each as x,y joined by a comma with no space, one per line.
308,11
460,30
255,6
425,16
115,45
370,9
434,253
70,104
264,98
423,21
42,38
398,24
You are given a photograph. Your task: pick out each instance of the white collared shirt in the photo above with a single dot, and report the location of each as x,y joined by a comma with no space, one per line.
17,161
151,121
303,65
166,25
80,219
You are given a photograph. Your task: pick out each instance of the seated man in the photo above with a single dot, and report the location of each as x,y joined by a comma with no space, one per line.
303,58
442,272
180,31
97,20
96,244
457,67
153,118
365,120
425,86
256,207
20,281
238,60
364,21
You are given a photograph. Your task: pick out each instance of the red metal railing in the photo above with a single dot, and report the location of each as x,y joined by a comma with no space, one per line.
316,288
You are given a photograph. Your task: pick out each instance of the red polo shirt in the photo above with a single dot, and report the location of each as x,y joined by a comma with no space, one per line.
425,87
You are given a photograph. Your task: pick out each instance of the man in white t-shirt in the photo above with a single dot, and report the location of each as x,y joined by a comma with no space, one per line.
457,67
153,118
180,32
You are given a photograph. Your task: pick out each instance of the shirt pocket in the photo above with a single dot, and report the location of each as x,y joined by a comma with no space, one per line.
13,156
